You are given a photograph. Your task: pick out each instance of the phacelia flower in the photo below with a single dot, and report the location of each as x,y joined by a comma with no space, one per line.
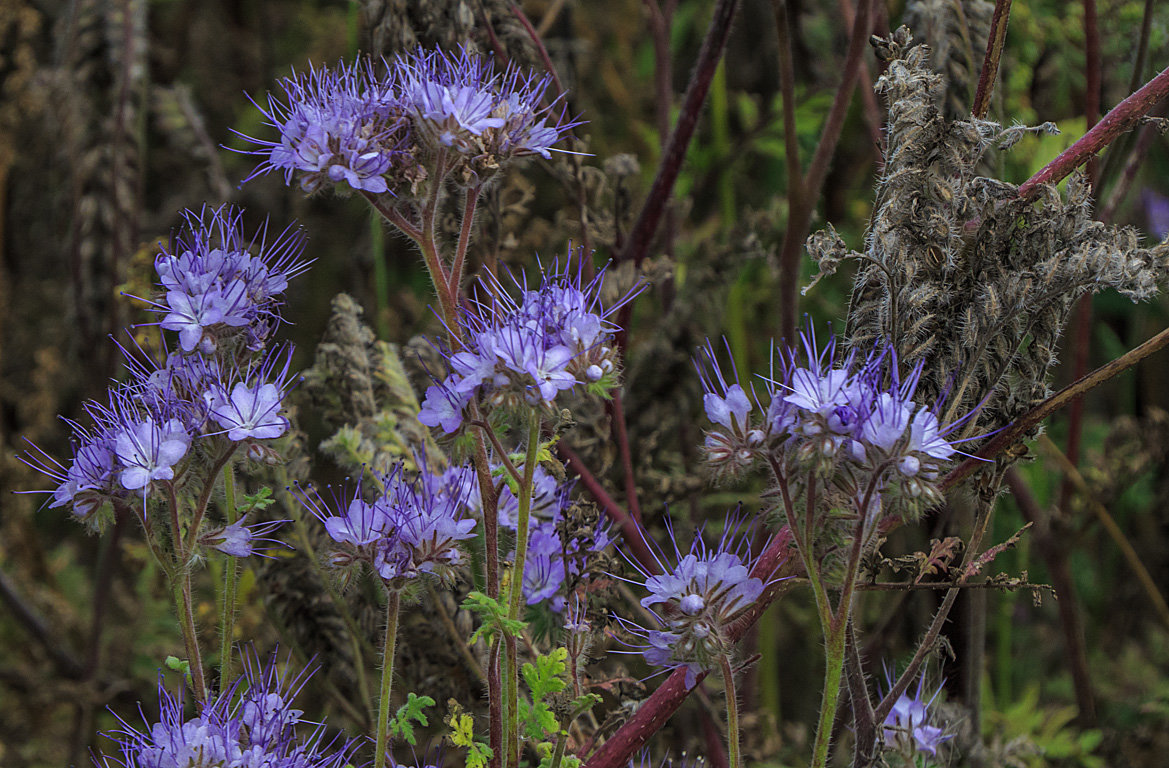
847,420
909,723
412,527
526,350
251,724
337,126
695,601
148,450
458,101
240,539
212,282
251,409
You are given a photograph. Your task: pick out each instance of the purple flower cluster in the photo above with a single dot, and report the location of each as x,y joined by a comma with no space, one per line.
412,527
384,132
342,125
819,414
219,383
459,101
213,286
250,725
908,723
695,601
525,351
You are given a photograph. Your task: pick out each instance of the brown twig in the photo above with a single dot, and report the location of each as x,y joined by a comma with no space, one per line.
641,236
1123,116
1130,554
1011,434
994,52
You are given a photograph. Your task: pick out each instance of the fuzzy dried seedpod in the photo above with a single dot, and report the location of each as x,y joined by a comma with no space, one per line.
956,31
962,274
398,26
360,387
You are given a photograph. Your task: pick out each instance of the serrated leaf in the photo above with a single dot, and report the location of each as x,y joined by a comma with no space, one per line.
400,725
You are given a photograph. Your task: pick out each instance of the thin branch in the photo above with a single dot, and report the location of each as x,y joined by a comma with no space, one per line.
1011,434
1130,554
640,238
994,51
1123,116
1054,554
632,532
66,663
803,206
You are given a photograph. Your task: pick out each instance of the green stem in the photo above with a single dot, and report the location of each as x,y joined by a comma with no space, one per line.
357,638
393,602
561,741
735,760
834,665
230,582
517,584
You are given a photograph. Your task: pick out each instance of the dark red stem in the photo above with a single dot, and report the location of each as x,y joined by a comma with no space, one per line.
1123,116
994,52
630,530
641,236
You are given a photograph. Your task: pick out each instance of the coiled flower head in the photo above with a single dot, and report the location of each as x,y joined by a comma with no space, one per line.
696,600
523,351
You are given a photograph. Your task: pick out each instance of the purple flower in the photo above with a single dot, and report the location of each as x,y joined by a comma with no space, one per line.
696,600
526,350
412,527
458,101
240,539
1156,212
252,409
735,445
908,723
249,725
213,283
148,451
341,125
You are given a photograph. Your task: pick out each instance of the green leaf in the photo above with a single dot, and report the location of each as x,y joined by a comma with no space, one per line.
400,725
546,676
463,735
494,617
175,664
261,499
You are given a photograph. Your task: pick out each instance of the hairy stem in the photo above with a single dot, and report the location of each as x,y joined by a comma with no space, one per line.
393,603
517,578
736,760
230,583
183,602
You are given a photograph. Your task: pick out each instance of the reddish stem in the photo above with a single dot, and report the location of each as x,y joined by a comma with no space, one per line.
994,52
622,437
1123,116
640,238
653,713
633,533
